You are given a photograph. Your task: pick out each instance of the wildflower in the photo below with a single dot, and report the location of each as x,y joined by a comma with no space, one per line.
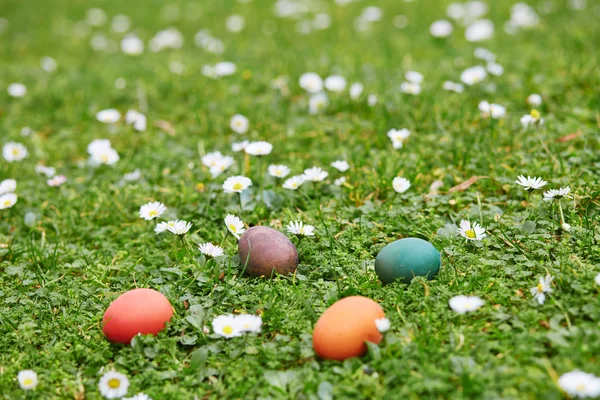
120,23
56,181
260,148
382,324
410,88
340,181
235,23
413,77
298,228
13,151
479,30
278,170
541,288
48,171
335,83
7,200
132,176
180,228
164,226
8,186
317,102
464,304
28,379
398,137
132,45
473,75
239,146
227,326
530,183
495,69
152,210
139,396
113,385
221,165
400,184
109,116
315,174
225,68
236,184
137,119
239,123
566,227
212,159
249,323
372,100
534,100
597,279
106,156
533,118
235,225
453,87
340,165
557,194
356,90
16,90
294,182
580,384
496,111
475,232
441,28
210,250
311,82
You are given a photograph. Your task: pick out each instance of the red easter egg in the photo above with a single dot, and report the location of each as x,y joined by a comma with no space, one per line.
144,311
343,329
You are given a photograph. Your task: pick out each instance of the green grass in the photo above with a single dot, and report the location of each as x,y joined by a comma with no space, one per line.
67,252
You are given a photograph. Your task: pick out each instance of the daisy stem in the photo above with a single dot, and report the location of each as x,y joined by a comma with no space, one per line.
241,206
562,217
224,238
480,212
197,274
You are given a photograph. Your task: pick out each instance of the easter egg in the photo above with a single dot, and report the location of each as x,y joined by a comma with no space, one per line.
343,329
265,251
144,311
406,258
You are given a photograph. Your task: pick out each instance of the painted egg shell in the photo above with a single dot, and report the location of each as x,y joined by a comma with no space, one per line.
343,329
406,258
144,311
265,251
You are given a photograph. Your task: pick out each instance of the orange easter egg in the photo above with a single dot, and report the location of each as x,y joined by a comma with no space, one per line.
343,329
144,311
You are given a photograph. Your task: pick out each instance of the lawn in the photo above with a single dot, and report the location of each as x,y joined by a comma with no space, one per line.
68,249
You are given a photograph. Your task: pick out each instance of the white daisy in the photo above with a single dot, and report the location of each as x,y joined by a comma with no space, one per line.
164,226
335,83
315,174
108,116
113,385
340,181
239,123
580,384
464,304
400,184
13,151
530,183
413,77
132,176
106,156
227,326
557,194
475,232
341,165
534,100
212,159
372,100
137,119
57,181
28,379
139,396
496,111
260,148
566,227
152,210
235,225
473,75
132,45
97,145
410,88
225,68
8,186
239,146
317,103
441,28
495,69
382,324
294,182
48,171
533,118
180,228
398,136
597,279
221,165
311,82
211,250
16,90
453,87
278,170
479,30
7,200
356,90
298,228
249,323
236,184
542,287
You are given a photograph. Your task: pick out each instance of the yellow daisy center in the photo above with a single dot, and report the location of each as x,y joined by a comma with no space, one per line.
104,158
6,203
153,213
114,383
237,186
15,152
27,382
535,114
470,234
232,228
228,329
580,387
540,288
